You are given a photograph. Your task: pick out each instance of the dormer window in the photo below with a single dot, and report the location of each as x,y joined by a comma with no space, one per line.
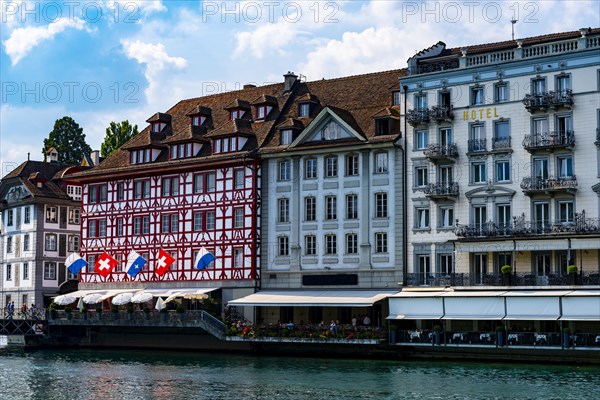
236,114
332,131
181,150
396,98
158,126
139,156
304,109
226,145
286,136
261,112
386,126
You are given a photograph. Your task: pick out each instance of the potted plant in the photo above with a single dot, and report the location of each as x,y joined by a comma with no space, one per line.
52,310
130,311
181,312
437,332
506,271
572,271
566,337
99,311
500,330
115,312
69,312
147,312
84,312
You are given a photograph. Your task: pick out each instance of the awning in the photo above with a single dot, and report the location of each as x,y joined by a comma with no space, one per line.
484,247
313,298
192,293
471,305
416,305
83,293
577,244
114,292
540,245
533,305
581,305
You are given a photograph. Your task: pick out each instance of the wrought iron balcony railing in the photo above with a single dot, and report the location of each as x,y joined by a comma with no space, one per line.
501,143
496,279
477,145
549,140
416,117
543,101
580,225
445,190
531,184
440,151
441,113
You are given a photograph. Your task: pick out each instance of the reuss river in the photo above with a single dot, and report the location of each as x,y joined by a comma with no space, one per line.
103,374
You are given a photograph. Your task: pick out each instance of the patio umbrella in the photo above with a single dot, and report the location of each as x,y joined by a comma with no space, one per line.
141,297
160,304
92,298
80,304
65,299
122,298
173,297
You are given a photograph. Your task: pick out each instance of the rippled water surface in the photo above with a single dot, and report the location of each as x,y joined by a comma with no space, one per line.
103,374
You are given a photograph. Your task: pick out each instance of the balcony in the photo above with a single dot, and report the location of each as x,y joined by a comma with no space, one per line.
441,113
501,144
516,279
417,117
521,228
441,191
477,146
532,185
441,152
543,101
549,141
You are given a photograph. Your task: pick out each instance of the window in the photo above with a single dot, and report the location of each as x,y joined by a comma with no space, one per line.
120,191
381,163
236,114
26,242
477,141
211,182
479,217
198,221
102,228
351,243
286,136
564,165
74,192
381,242
503,217
540,169
330,207
503,259
501,93
538,86
501,135
137,225
478,173
285,170
310,168
50,271
421,140
91,259
204,183
424,262
351,165
541,217
51,214
98,194
239,180
238,218
477,95
141,189
170,223
120,224
330,244
422,218
261,112
170,186
304,109
445,137
396,98
73,243
421,101
9,218
27,215
503,171
238,258
9,272
25,271
331,167
210,220
381,205
310,209
563,83
9,244
446,217
310,245
283,206
421,176
566,212
141,156
50,242
445,264
384,126
74,215
283,244
352,206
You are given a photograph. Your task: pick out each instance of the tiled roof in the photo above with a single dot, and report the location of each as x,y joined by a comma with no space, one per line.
393,112
206,111
159,117
265,99
238,103
236,126
50,174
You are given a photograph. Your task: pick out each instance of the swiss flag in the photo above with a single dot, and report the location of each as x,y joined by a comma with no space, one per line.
105,264
163,263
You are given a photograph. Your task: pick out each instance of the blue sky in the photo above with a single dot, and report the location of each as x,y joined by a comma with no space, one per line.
102,61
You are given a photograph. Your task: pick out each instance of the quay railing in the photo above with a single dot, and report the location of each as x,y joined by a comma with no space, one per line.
441,279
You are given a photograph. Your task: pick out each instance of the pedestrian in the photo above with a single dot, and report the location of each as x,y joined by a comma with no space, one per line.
366,321
332,327
11,309
354,321
23,311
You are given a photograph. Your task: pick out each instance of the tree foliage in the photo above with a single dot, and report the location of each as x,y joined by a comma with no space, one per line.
69,141
116,136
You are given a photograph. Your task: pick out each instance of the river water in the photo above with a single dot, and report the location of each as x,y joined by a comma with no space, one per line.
107,374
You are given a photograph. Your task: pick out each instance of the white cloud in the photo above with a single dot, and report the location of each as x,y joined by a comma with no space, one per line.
159,67
23,40
132,8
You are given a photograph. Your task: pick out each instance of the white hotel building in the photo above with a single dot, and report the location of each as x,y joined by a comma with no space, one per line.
503,154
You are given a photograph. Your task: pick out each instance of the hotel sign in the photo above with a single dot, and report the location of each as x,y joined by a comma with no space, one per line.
480,113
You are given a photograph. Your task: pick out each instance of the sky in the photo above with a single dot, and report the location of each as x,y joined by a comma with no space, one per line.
103,61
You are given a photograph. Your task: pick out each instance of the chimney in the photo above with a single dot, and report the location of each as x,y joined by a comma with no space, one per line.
95,157
249,86
289,80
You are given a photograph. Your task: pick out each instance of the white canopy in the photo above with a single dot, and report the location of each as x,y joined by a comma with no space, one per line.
581,305
189,293
313,298
416,305
474,305
533,305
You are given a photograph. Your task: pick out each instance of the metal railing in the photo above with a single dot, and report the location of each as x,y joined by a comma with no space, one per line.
501,143
477,145
415,116
549,140
534,183
544,100
441,151
441,113
441,189
441,279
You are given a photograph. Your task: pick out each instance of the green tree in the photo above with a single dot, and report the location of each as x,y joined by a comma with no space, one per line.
69,140
116,136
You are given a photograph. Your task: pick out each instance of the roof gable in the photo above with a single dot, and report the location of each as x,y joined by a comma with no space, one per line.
327,126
